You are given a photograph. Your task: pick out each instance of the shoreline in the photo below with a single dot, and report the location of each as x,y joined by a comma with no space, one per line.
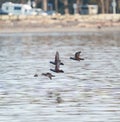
77,23
61,30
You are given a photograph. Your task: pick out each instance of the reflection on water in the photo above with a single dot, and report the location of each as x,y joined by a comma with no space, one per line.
89,90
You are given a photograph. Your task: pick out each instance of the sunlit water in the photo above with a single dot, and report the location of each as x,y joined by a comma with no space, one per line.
89,89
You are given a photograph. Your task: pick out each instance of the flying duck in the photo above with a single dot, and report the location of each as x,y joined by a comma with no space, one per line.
57,68
56,59
77,56
49,75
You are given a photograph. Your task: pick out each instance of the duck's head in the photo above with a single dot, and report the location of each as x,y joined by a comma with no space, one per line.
35,75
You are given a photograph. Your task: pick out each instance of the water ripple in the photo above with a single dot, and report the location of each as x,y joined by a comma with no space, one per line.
89,90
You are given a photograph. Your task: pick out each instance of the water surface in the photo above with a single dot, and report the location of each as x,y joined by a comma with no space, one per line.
89,89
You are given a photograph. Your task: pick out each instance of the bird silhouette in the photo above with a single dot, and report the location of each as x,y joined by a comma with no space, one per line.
77,56
49,75
57,68
35,75
57,59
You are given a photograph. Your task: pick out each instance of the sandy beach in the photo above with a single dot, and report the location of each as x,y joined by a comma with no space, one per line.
12,24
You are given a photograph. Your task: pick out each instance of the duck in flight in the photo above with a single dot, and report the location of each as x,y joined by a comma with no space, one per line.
57,68
77,56
49,75
57,59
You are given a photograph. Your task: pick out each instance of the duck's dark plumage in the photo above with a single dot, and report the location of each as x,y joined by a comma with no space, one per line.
77,59
77,56
57,71
57,59
55,63
49,75
35,75
59,99
57,68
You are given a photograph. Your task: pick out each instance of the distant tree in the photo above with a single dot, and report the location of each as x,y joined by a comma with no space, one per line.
66,6
107,6
56,5
78,6
118,5
102,6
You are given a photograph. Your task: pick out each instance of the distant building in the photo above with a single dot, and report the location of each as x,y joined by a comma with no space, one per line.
89,9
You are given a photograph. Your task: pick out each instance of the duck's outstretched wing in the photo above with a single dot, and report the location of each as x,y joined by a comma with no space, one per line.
55,63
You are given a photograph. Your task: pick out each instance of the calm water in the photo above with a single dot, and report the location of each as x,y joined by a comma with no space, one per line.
89,89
